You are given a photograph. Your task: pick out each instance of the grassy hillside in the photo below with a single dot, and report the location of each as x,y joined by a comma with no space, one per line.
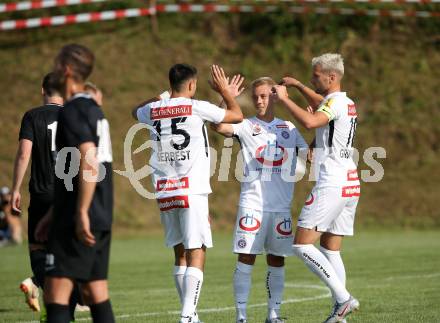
391,72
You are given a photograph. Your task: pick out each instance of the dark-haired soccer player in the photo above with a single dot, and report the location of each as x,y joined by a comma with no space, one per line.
80,234
37,142
182,173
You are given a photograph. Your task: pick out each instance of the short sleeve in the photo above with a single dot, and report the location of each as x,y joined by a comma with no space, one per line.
26,129
210,112
300,142
143,114
237,129
77,127
330,109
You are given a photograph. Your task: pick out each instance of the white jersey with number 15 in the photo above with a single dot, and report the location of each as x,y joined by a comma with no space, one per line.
180,157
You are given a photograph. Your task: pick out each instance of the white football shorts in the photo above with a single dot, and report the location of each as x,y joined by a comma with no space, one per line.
330,209
185,220
257,232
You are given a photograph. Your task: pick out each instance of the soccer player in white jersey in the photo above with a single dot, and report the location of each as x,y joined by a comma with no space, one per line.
269,146
329,212
182,169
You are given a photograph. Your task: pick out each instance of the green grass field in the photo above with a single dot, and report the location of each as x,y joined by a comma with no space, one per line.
395,275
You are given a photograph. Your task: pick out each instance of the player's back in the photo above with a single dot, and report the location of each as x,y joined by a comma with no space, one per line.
40,125
335,140
81,120
181,156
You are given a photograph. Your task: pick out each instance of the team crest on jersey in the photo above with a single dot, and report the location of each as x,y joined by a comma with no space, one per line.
241,243
285,134
271,154
256,129
249,223
284,227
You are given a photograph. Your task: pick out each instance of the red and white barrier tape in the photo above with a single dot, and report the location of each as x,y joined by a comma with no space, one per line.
39,4
138,12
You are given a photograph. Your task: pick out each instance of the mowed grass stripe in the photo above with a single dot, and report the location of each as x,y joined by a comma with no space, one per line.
395,275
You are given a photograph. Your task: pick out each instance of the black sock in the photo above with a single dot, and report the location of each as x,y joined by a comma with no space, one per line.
57,313
102,312
75,298
38,261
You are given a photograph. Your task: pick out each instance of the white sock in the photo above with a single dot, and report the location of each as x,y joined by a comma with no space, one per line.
192,286
321,267
334,258
242,287
275,288
179,272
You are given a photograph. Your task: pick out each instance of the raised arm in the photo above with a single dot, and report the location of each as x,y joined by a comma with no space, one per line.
313,98
220,85
235,87
21,163
307,119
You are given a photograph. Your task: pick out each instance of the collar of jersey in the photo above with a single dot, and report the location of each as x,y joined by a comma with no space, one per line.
328,96
80,95
267,124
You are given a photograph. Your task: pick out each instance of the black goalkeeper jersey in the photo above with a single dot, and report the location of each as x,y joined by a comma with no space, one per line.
80,121
39,125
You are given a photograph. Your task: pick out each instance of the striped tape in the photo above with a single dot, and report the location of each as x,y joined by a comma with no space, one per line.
30,5
183,8
38,4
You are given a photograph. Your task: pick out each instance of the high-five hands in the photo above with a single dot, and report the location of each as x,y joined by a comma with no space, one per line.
235,88
219,82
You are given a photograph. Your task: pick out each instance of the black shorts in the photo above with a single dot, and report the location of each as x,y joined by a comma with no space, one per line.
68,257
38,208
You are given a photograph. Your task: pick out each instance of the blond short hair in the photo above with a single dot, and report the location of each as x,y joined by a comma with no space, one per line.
262,81
330,62
90,87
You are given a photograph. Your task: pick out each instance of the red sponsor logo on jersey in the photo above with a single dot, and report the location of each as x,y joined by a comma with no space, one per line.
284,227
310,200
282,126
350,191
352,175
174,202
170,112
249,223
352,110
271,154
172,184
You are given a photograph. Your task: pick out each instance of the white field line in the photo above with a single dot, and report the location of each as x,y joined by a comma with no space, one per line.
224,309
413,276
287,301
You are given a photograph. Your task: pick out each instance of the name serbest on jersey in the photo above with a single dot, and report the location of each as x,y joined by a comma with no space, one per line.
180,157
